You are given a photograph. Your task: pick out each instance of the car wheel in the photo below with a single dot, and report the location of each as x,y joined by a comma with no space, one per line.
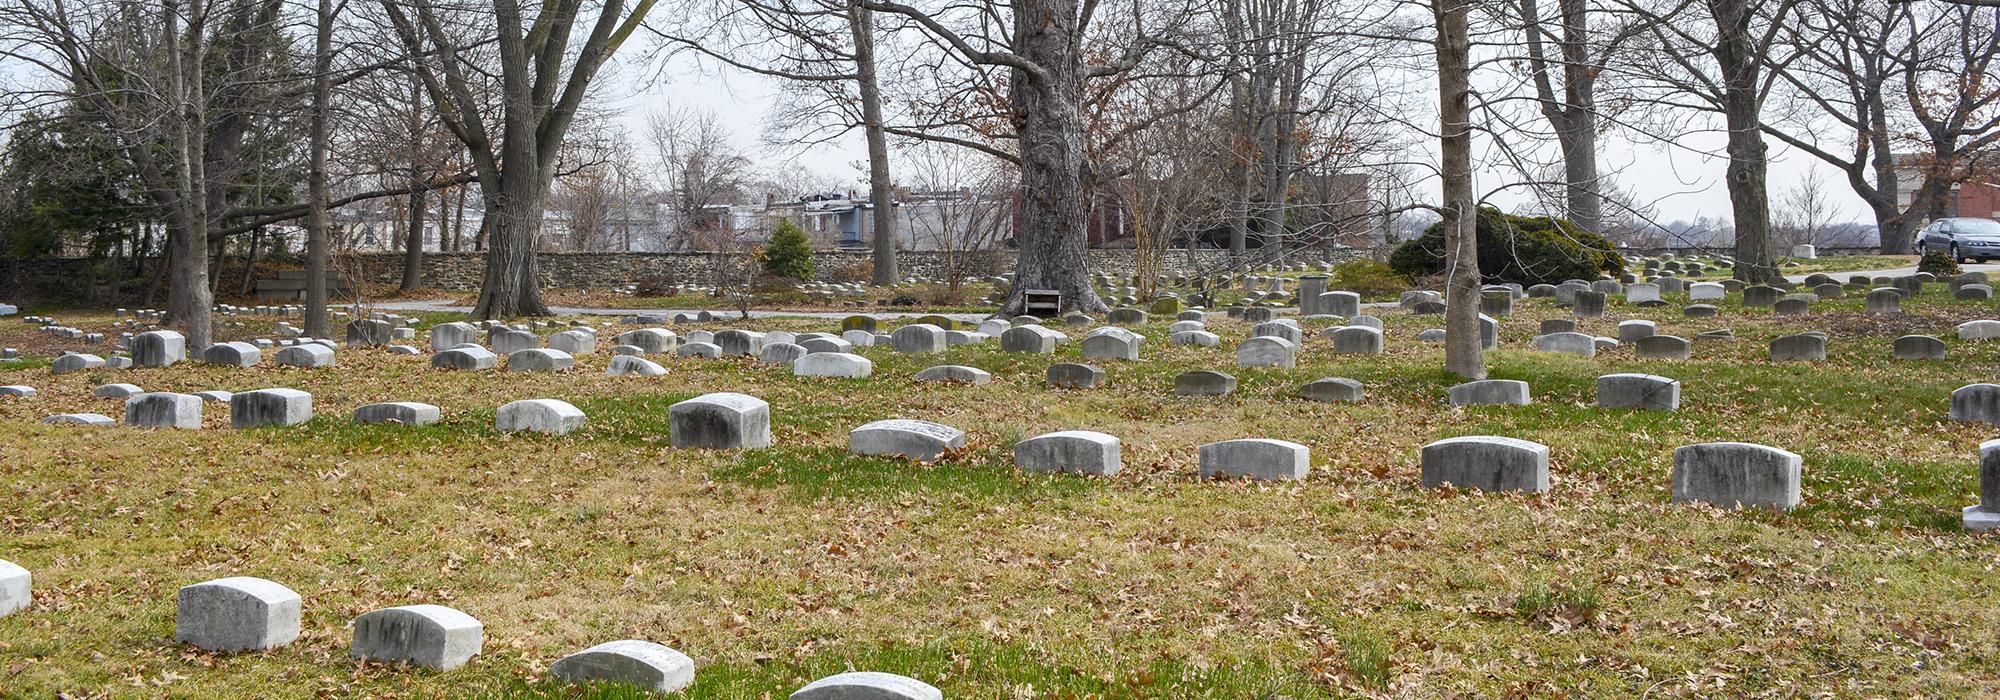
1954,254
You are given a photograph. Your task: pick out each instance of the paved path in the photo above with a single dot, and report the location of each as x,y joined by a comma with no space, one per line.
1988,268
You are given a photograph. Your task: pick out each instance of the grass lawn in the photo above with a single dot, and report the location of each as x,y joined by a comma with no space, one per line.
775,567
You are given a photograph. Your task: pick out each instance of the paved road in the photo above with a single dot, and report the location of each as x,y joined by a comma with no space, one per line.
1988,268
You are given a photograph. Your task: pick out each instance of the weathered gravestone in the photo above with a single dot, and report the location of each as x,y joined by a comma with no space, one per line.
1580,344
722,421
240,613
1332,390
1255,458
1736,475
1203,382
1069,451
1074,375
163,409
540,360
428,636
1487,463
1029,338
1883,300
1662,347
628,662
917,440
1266,352
233,354
867,685
1918,347
445,336
1490,392
158,349
251,409
1976,403
1798,347
396,413
954,374
369,333
1981,516
1354,340
550,416
833,364
309,356
1642,391
1588,304
634,366
16,588
466,357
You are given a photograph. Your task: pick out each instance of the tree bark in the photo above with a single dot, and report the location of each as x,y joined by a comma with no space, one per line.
862,21
189,303
1055,195
1464,353
1737,56
316,186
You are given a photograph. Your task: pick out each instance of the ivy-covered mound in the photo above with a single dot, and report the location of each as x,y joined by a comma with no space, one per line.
1525,249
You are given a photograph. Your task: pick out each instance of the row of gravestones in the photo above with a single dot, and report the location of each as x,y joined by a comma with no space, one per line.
246,613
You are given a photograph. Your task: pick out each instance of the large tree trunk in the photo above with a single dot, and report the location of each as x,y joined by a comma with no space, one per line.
1749,161
1578,138
1464,354
511,287
1055,194
884,219
316,186
189,303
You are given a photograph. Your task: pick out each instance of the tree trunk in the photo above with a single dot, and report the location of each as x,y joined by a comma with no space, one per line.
1464,353
510,287
413,246
189,303
316,186
1749,161
249,267
884,220
1055,196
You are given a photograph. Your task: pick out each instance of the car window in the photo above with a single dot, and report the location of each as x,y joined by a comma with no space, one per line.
1983,227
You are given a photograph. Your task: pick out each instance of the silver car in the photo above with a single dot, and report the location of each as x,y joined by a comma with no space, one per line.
1964,238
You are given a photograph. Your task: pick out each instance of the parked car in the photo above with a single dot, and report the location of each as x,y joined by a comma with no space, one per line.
1964,238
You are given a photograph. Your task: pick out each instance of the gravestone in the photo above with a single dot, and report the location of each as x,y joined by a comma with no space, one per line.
428,636
1973,292
1883,300
232,355
1203,382
17,391
1798,347
651,341
833,364
1069,451
1203,339
1791,307
1662,347
1639,293
158,349
954,374
550,416
574,341
1332,390
75,362
1633,330
1258,459
507,342
707,351
445,336
627,662
1496,303
867,685
116,391
540,360
369,333
635,366
16,588
1641,391
1354,340
918,338
720,421
1700,311
918,440
1736,475
86,419
1589,304
1487,463
1282,328
1365,320
1073,375
466,357
309,356
859,323
813,345
1490,392
859,339
396,413
1111,344
1761,295
1918,347
1829,291
1126,316
1580,344
1339,303
1432,335
1557,325
1976,403
163,409
1266,352
1706,291
1979,330
1981,516
1029,338
240,613
787,353
281,407
740,343
701,337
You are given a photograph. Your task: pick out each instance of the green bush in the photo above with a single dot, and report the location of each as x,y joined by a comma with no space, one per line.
1368,278
790,253
1524,249
1938,262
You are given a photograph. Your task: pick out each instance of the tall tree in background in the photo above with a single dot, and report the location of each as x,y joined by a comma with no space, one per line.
538,101
1566,92
1464,353
317,193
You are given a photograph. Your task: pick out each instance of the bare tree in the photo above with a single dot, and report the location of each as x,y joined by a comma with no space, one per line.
699,168
541,80
1806,212
963,209
1464,353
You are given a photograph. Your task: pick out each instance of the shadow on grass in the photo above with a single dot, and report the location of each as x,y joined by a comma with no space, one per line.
966,669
